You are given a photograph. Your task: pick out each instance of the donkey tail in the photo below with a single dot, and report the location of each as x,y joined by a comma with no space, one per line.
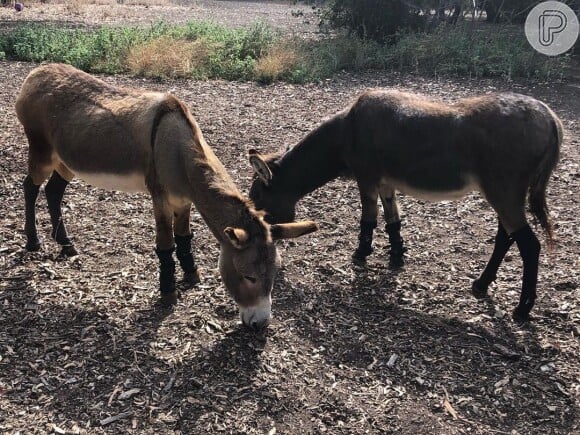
539,182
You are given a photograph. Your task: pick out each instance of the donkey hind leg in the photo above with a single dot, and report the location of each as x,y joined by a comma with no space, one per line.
164,248
393,226
40,166
54,191
30,194
529,247
368,195
183,250
510,208
502,244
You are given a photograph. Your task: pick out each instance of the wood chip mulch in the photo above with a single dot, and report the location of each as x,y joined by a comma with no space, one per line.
84,348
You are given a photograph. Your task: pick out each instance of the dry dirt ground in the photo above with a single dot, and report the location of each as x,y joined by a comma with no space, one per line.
84,347
285,15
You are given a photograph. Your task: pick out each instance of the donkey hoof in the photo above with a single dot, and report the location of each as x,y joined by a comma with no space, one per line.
359,260
33,246
478,290
191,279
169,299
396,262
68,251
521,315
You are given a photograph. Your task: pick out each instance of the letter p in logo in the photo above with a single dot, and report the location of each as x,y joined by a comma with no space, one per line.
551,23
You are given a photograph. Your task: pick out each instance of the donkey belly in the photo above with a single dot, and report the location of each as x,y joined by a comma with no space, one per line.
455,190
134,182
433,170
114,162
105,175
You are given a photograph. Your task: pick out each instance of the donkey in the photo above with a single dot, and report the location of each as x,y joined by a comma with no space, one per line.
502,145
130,140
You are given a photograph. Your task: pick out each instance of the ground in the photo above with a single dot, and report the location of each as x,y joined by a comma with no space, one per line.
85,348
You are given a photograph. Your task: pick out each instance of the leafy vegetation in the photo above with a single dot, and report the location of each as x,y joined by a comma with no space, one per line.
205,50
372,19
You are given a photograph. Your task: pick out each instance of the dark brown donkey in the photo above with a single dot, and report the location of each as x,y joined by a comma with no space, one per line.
502,145
120,139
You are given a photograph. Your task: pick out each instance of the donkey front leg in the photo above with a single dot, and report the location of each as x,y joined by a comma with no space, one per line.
502,244
184,252
164,249
368,195
393,226
54,191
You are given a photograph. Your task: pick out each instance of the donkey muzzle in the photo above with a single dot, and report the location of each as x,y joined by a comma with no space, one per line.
257,316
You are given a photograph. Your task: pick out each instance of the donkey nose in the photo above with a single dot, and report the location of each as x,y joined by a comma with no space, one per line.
257,316
258,325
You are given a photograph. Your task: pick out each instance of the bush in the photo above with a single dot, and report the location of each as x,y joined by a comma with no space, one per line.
463,50
223,53
205,50
103,50
479,52
515,11
372,19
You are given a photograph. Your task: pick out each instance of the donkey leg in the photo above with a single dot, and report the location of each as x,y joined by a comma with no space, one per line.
510,207
502,245
368,196
164,249
529,247
40,166
54,191
30,194
393,226
184,252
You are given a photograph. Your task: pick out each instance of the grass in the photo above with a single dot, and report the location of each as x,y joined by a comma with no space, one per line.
204,50
170,57
461,50
479,51
280,62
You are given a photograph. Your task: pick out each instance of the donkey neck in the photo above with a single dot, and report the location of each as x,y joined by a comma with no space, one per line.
214,193
187,169
314,161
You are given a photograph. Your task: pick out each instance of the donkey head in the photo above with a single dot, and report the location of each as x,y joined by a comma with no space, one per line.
268,193
249,263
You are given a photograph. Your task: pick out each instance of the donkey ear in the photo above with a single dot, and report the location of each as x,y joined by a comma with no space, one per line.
293,229
238,237
260,167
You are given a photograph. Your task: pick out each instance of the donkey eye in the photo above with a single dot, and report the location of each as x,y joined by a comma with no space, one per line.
250,278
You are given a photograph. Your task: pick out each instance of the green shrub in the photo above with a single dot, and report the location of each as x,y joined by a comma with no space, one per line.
465,50
498,51
371,19
233,56
102,50
204,50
